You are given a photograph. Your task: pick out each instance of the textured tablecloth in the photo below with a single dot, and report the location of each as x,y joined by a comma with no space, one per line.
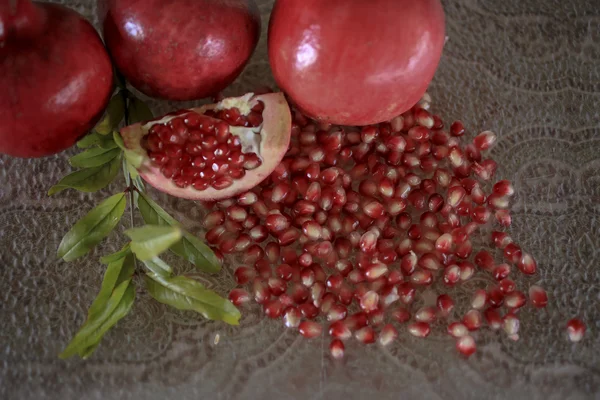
527,69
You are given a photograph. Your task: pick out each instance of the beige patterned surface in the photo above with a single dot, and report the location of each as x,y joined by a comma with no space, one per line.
527,69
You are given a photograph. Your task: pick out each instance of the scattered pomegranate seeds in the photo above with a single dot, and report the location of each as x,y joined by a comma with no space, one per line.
575,330
466,345
369,219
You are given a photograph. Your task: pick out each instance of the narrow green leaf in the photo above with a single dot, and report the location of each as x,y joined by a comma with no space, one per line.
89,179
116,256
117,272
139,184
149,241
95,139
94,157
190,247
92,228
114,115
90,334
158,266
139,111
187,294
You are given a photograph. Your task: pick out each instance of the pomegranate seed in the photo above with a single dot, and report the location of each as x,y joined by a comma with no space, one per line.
484,140
368,242
538,296
291,317
575,330
336,349
365,335
273,309
263,269
272,251
387,335
515,299
493,318
484,260
214,219
369,301
419,329
317,290
277,286
310,329
244,275
472,320
501,239
452,274
422,277
479,299
495,297
430,261
481,214
497,202
466,345
445,304
501,271
506,286
443,244
288,236
373,209
526,264
510,324
464,250
340,330
457,128
467,270
337,312
261,292
237,213
239,296
503,188
455,195
503,217
513,253
308,310
457,330
425,314
376,271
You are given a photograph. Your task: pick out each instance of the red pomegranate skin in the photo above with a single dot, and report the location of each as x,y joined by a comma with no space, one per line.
180,49
355,62
56,78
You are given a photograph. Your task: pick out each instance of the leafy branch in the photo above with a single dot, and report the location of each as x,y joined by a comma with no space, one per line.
103,155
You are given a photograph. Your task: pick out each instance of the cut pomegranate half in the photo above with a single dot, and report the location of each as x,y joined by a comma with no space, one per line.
215,151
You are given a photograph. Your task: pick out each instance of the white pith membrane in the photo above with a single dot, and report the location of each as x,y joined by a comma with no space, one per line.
269,141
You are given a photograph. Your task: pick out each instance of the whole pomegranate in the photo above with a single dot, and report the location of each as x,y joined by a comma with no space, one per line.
55,75
355,62
180,49
215,151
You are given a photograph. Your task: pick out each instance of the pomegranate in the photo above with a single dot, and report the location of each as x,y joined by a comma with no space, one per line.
180,49
55,74
355,62
215,151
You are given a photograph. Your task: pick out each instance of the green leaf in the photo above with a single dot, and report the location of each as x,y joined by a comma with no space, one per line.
92,228
117,272
190,247
116,256
116,307
89,179
158,266
94,157
95,139
187,294
119,140
139,111
114,115
149,241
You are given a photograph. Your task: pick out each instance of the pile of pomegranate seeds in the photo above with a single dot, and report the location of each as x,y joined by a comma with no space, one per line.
197,151
362,230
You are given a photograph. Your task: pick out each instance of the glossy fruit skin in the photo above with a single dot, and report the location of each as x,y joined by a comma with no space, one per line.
56,78
180,49
355,62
